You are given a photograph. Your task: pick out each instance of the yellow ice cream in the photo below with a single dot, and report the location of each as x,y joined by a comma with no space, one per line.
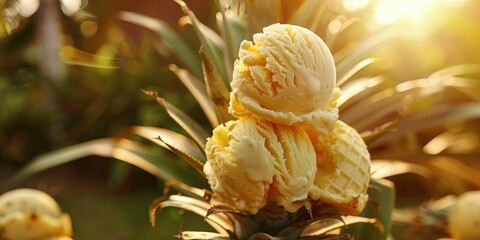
253,161
31,214
343,169
464,216
287,76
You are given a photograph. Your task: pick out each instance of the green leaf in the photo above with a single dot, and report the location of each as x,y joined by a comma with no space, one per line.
121,149
175,42
74,56
201,235
456,71
355,91
350,23
216,88
389,168
186,189
220,222
199,92
207,33
262,13
233,30
359,66
263,236
198,134
435,116
382,194
177,143
214,51
457,175
371,102
309,14
326,225
347,58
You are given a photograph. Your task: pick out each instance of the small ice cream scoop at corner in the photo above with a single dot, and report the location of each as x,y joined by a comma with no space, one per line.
464,216
32,214
343,169
253,161
287,76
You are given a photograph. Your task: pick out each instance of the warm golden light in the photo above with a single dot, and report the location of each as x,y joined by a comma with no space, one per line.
70,7
354,5
28,7
388,11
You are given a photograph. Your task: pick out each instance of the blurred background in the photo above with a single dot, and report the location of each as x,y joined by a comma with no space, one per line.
72,71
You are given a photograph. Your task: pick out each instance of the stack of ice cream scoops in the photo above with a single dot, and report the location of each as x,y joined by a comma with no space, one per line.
287,145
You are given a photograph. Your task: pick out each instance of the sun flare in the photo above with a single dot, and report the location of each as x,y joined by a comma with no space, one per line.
416,11
388,11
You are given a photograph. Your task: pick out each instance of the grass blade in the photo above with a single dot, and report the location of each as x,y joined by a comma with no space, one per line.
198,134
199,92
175,42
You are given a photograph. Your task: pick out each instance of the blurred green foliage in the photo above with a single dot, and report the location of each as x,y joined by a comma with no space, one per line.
40,113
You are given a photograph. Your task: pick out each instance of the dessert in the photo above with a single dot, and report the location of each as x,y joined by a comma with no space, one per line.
252,161
287,76
32,214
343,169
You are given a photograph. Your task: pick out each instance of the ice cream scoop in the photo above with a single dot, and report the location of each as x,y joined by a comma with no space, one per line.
32,214
287,76
343,169
252,161
464,216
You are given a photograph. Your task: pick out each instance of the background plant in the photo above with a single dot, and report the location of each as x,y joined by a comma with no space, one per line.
427,127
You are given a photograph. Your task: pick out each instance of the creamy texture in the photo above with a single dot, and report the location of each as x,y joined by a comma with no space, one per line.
287,76
253,161
464,217
343,169
32,214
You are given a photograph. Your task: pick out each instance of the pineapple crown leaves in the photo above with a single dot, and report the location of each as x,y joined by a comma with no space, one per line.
184,120
220,222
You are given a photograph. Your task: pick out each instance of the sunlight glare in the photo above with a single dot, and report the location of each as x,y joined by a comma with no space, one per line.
71,6
28,7
354,5
334,26
387,11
